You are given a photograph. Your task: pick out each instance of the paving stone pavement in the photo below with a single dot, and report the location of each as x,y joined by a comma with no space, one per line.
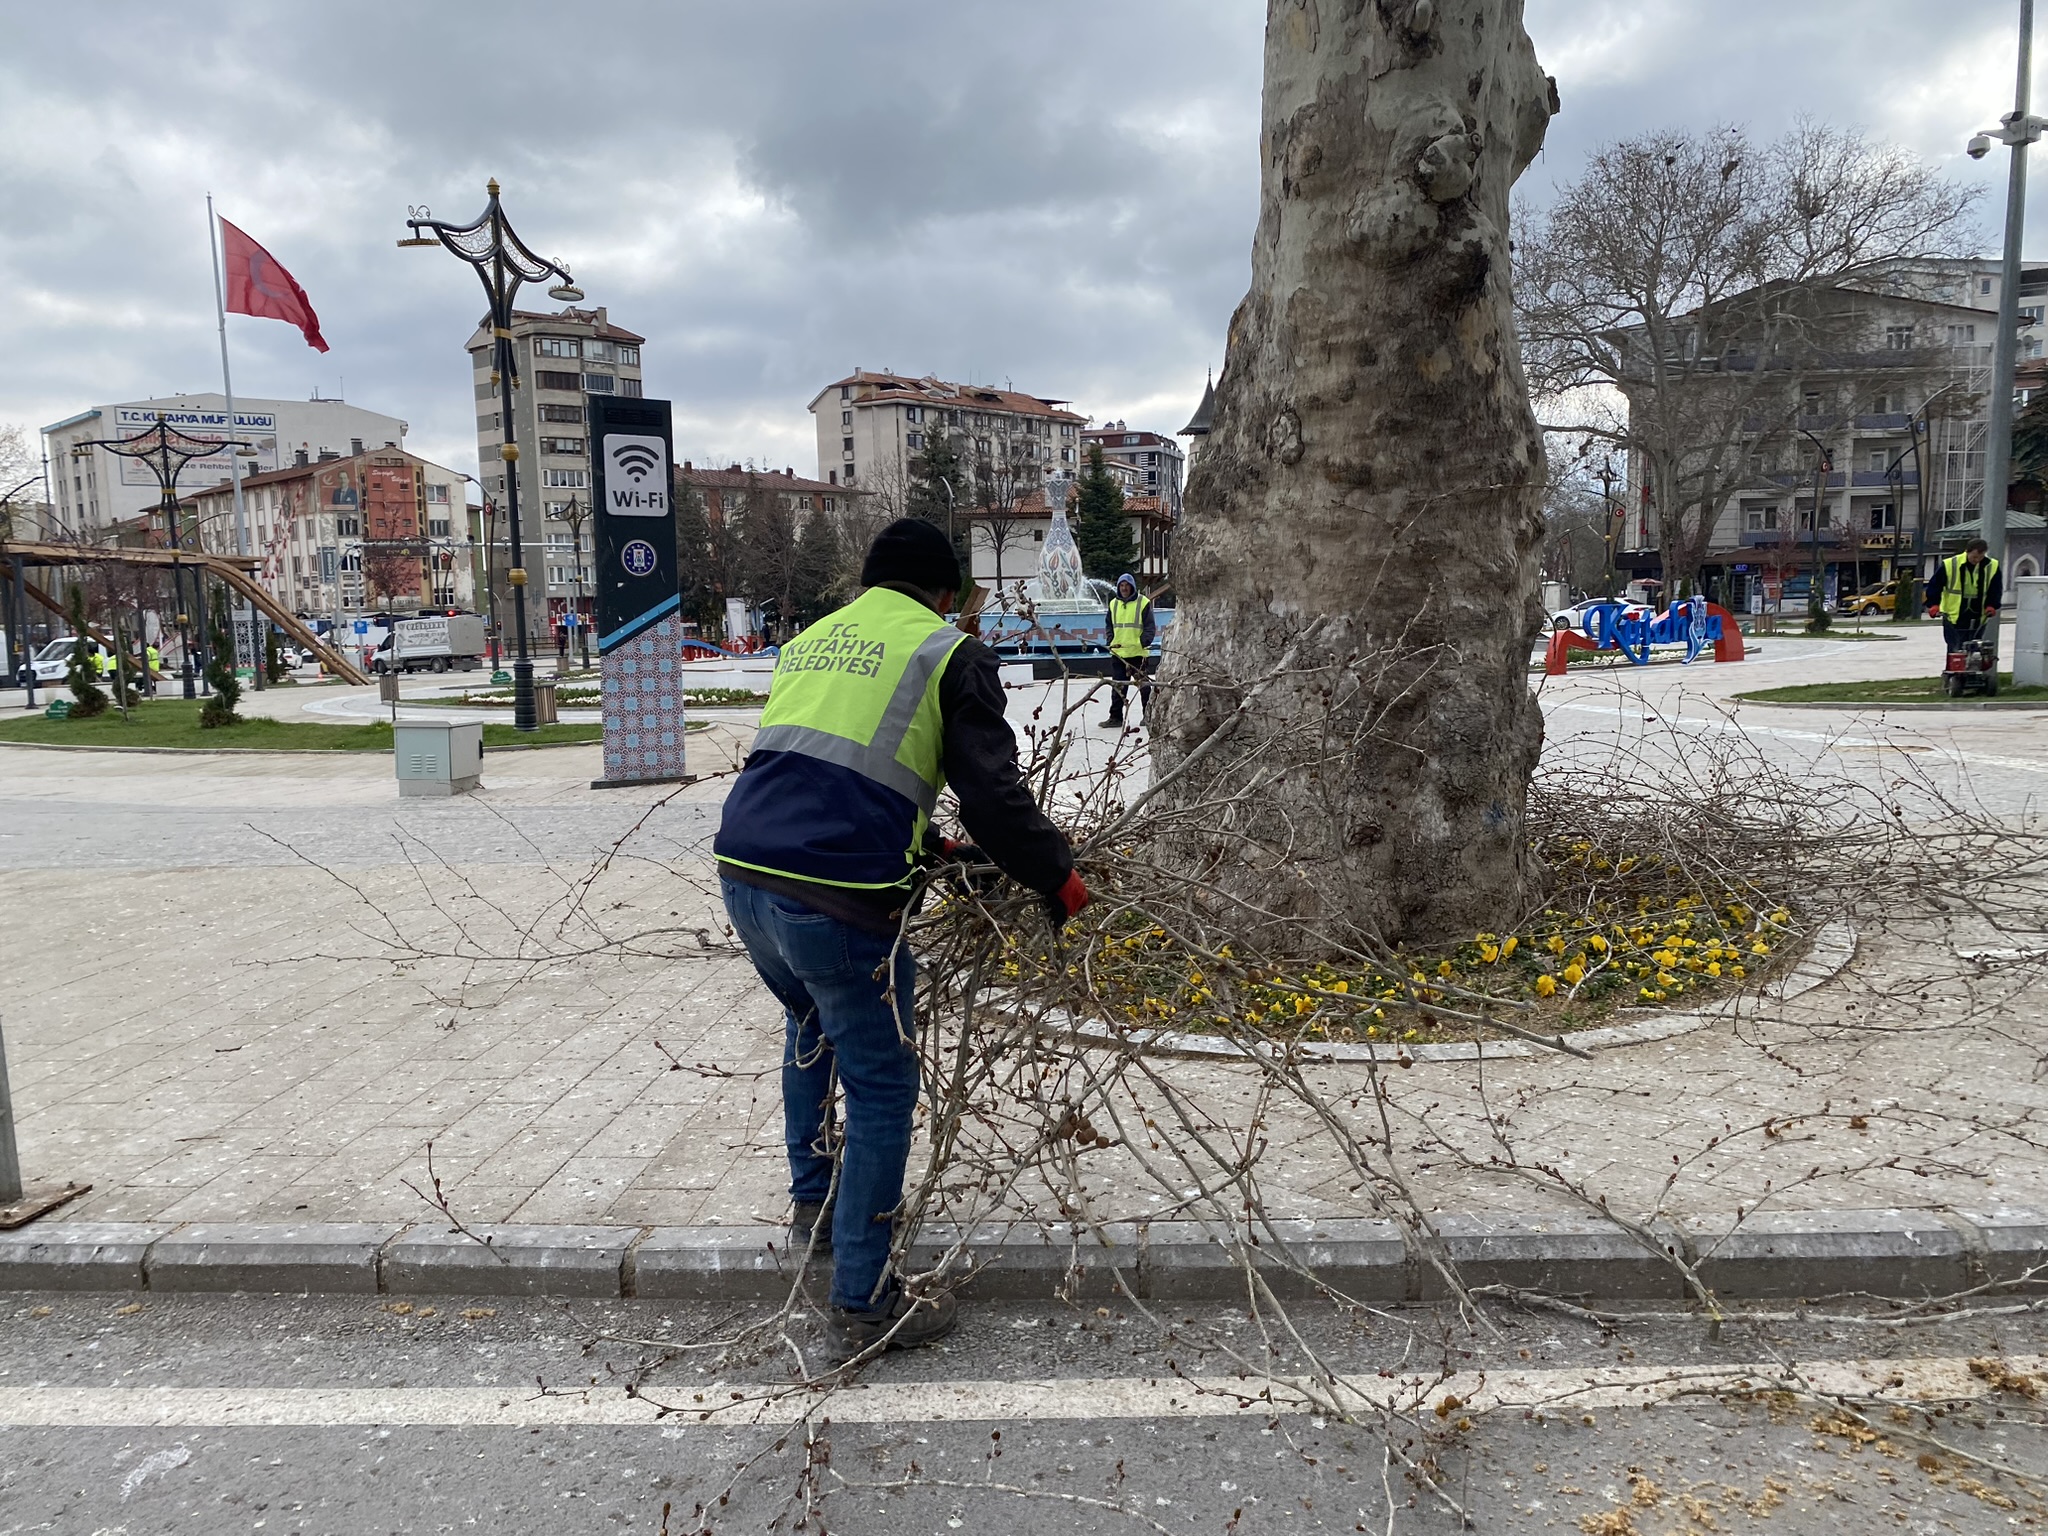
210,1015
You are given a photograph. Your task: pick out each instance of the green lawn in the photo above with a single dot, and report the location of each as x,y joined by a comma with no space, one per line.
175,723
1891,690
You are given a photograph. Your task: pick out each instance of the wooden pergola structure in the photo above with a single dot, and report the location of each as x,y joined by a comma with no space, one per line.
232,570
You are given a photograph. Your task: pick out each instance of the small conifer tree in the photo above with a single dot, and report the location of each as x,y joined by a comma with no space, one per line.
219,710
1101,529
87,697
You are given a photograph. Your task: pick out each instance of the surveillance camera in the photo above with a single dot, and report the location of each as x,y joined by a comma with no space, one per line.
1979,147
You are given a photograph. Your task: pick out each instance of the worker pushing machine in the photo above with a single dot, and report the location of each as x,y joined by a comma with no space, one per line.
822,848
1966,592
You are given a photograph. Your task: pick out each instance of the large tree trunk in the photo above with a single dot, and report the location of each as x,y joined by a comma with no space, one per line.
1367,510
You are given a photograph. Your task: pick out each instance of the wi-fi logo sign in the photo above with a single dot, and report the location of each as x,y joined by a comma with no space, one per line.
636,459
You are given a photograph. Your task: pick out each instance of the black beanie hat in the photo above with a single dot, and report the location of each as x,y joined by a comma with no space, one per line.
912,552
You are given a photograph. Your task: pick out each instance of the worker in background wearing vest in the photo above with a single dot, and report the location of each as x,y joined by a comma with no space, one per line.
872,710
153,667
1131,631
1966,591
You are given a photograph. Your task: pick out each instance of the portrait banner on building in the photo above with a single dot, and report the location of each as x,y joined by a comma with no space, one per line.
639,602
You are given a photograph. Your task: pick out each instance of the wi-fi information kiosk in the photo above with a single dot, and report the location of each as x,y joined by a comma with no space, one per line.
639,626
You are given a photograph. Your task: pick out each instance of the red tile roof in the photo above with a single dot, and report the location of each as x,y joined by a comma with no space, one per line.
960,397
737,478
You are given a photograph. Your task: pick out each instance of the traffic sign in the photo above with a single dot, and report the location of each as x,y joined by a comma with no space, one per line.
362,626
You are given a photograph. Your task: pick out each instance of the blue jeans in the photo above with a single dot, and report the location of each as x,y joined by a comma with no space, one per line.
838,1019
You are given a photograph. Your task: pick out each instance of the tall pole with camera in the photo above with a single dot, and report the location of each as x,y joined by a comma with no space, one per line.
2016,130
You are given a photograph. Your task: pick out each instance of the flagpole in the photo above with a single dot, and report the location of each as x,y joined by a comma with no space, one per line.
260,661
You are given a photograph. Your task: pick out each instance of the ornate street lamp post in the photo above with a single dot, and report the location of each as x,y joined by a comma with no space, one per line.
17,623
574,514
167,451
504,264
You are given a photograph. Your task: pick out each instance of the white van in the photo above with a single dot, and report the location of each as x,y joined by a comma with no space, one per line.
52,663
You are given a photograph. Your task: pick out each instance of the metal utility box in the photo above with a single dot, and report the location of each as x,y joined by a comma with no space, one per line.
438,757
2030,632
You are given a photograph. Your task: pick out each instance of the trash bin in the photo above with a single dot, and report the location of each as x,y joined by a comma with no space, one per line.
438,757
387,687
544,701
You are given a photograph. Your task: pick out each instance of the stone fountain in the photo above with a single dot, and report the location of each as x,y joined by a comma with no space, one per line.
1060,587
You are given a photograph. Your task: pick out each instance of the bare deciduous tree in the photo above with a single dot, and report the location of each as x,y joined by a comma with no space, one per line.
390,573
1004,479
1374,481
1672,296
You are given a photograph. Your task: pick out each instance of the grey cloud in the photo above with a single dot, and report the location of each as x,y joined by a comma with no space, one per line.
1060,194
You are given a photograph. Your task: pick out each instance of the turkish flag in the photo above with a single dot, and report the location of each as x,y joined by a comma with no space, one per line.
258,286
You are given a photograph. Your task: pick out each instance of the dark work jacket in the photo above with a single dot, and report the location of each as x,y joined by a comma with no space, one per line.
979,755
1994,593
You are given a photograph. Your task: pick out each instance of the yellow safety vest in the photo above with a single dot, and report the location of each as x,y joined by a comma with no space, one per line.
846,768
1127,627
1955,572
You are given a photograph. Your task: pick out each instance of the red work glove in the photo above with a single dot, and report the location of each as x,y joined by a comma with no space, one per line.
1068,900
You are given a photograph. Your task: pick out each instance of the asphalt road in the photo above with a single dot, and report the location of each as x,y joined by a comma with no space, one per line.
214,1414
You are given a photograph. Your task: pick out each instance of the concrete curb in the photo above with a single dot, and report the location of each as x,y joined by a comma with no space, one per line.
362,752
1907,1253
1894,706
1833,947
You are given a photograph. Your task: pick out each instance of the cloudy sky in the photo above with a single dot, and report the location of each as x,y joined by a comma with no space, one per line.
1057,194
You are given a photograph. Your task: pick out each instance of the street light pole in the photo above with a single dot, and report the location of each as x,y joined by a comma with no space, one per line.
17,623
2017,130
574,514
503,263
167,453
1611,516
1823,466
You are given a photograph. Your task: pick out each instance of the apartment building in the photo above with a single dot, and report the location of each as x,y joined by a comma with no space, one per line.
1158,463
872,426
94,489
559,359
339,534
1863,456
725,491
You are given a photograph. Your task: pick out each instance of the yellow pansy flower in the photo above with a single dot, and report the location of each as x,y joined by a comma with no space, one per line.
1546,985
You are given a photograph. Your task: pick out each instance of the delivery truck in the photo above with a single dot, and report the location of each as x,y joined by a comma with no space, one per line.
437,644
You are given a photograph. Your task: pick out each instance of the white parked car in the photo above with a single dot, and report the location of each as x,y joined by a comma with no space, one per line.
1574,617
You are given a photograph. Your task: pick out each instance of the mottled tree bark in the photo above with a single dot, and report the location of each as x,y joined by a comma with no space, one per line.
1368,506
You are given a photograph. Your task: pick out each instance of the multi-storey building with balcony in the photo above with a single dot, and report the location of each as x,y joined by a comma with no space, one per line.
95,491
339,534
873,426
1157,462
560,358
1859,444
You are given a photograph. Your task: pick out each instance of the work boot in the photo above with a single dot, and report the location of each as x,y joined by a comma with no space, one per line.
1114,722
810,1217
908,1322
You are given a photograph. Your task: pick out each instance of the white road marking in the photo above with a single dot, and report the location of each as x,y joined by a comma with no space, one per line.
1571,1390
